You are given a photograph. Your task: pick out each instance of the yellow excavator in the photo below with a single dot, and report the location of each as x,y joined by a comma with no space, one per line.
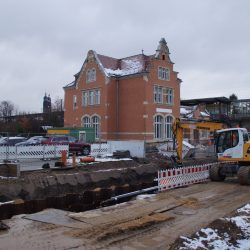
232,149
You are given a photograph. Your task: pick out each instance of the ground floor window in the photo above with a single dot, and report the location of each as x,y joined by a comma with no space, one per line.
168,127
96,125
92,122
163,127
158,127
86,122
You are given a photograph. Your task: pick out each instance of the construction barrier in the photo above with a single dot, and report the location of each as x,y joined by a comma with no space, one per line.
32,152
178,177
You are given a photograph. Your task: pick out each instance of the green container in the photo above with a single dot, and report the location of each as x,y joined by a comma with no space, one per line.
82,134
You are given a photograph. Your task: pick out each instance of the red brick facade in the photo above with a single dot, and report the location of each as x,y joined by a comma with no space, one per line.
130,98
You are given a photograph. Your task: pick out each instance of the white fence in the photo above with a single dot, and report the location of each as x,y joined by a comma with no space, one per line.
172,178
136,149
32,152
101,149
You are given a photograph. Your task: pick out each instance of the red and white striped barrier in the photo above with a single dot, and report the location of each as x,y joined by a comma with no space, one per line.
178,177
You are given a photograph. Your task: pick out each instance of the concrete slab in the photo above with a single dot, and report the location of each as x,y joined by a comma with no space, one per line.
56,217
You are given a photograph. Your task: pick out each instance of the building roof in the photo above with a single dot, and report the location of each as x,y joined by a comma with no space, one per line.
241,100
125,66
132,65
72,84
192,102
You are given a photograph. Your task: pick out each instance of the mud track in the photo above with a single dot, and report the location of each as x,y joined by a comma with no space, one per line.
153,223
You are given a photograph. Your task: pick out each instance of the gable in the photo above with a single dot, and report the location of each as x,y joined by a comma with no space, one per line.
117,68
162,51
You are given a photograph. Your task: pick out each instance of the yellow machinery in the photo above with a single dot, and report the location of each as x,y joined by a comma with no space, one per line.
180,125
232,145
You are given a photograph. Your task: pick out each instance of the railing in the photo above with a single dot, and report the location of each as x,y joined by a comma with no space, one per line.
100,149
32,152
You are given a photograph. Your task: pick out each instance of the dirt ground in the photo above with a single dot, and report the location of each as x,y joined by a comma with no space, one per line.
148,222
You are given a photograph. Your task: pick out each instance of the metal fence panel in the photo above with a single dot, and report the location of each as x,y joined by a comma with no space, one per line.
32,152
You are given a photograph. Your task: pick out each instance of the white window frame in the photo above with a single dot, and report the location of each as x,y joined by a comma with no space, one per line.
97,94
74,102
168,127
85,98
96,124
163,73
91,97
158,94
169,96
91,75
159,72
86,122
158,127
88,77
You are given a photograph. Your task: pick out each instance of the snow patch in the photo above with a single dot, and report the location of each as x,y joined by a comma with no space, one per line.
97,160
210,239
245,209
204,114
128,67
6,202
7,178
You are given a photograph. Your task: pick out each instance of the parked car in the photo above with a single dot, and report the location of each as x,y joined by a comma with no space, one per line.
35,140
74,145
11,141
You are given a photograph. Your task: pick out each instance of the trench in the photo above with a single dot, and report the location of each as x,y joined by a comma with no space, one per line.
73,202
79,190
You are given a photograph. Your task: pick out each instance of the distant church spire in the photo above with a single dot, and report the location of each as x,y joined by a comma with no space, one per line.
46,103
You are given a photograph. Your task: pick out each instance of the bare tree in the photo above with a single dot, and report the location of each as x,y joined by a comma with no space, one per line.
6,108
233,97
57,104
234,107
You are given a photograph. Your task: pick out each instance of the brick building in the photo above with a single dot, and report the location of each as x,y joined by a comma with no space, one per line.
130,98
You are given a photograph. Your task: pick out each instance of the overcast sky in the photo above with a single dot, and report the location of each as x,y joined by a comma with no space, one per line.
44,43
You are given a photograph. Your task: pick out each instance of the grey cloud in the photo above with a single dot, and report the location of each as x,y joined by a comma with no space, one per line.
43,43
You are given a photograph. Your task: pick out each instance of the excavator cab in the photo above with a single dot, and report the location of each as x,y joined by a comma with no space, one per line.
232,144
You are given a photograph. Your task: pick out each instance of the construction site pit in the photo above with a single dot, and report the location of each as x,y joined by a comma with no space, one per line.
76,190
82,188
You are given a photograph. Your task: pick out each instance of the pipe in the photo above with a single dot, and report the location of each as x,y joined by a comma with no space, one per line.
115,198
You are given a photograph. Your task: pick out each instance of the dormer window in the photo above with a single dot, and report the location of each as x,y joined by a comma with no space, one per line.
163,73
91,75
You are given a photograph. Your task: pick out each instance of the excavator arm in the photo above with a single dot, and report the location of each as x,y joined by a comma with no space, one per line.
180,125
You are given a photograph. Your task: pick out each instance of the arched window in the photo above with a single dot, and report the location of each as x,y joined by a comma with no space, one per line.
158,127
86,122
88,75
91,75
97,126
168,127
